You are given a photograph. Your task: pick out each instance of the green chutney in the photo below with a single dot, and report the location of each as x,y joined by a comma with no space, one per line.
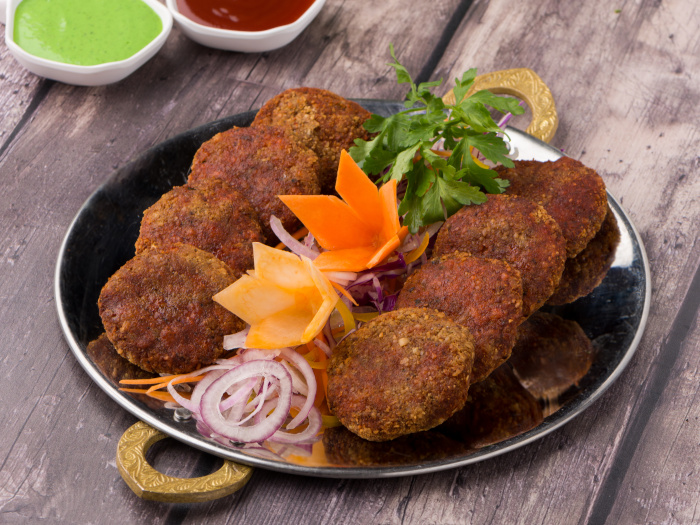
85,32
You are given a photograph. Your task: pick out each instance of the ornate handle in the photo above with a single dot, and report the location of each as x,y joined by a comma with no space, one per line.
150,484
526,85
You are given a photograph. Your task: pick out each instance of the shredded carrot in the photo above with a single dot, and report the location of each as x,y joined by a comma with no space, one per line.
149,381
344,292
320,392
176,381
163,396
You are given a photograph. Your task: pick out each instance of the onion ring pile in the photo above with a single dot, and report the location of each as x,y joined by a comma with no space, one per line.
248,398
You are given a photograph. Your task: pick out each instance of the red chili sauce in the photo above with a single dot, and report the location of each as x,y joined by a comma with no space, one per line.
243,15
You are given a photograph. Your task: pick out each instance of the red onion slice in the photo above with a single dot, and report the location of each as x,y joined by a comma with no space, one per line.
298,382
290,242
239,395
305,368
212,372
237,340
253,407
323,346
309,434
341,278
267,426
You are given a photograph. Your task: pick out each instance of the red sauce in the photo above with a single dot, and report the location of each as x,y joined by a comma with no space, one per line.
243,15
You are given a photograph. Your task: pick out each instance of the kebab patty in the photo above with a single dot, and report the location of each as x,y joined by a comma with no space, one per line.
484,295
403,372
260,163
573,194
515,230
213,217
158,310
321,120
588,269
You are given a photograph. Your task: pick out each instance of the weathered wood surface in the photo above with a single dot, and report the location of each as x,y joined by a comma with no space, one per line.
626,82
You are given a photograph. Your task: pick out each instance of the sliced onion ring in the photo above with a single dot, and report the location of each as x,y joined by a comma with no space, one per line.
309,434
289,241
305,368
266,427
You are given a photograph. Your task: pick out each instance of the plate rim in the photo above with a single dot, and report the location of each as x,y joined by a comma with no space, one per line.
352,472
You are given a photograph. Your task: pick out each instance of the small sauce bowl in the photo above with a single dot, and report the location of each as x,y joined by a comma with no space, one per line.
244,41
96,75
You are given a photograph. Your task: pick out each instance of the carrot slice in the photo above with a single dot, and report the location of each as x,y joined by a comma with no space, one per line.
344,292
384,251
358,232
163,396
148,381
176,381
359,191
390,217
333,223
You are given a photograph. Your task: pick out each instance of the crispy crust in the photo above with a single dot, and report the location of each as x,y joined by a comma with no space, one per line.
321,120
484,295
111,364
572,194
588,269
403,372
261,163
515,230
158,310
213,217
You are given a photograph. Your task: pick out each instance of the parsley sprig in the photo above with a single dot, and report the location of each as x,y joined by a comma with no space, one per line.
440,185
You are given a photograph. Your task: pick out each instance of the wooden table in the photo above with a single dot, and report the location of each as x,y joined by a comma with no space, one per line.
625,77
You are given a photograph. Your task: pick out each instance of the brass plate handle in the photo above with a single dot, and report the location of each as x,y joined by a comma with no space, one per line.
150,484
526,85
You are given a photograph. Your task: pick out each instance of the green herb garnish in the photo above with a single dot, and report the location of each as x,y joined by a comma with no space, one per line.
440,185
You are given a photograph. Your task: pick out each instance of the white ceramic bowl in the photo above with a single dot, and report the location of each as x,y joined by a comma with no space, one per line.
84,75
244,41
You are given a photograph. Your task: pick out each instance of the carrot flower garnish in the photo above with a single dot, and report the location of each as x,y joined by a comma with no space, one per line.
286,300
357,232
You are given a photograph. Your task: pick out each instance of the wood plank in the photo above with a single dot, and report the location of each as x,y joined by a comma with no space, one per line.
18,90
627,98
